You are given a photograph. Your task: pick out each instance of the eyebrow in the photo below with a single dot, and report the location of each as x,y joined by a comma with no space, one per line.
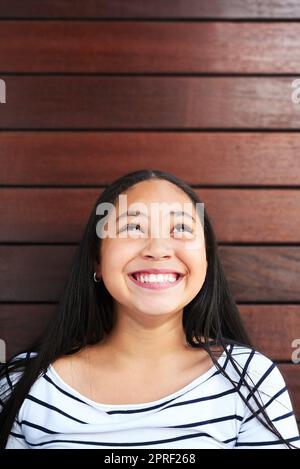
137,213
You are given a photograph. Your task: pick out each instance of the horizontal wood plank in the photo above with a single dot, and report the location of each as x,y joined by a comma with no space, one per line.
258,273
93,102
255,274
273,328
41,273
21,324
238,215
193,9
291,375
98,158
253,215
153,47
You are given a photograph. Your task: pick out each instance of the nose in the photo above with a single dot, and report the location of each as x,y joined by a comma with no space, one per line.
157,248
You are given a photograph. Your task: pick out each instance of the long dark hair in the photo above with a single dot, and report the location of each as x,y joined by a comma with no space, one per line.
85,311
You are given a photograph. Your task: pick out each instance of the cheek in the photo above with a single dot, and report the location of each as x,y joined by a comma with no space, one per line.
115,256
111,265
111,259
194,259
197,265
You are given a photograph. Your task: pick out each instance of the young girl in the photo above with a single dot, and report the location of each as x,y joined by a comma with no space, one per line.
147,348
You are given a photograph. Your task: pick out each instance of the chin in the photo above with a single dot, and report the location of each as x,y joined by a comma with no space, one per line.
157,311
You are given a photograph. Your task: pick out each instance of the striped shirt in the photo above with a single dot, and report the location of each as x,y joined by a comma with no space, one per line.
206,413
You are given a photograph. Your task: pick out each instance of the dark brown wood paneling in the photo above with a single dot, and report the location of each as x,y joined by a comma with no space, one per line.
46,215
238,215
291,376
34,273
148,102
273,328
22,323
150,9
255,273
98,158
151,47
253,215
258,273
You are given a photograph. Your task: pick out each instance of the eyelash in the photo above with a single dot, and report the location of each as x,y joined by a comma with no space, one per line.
178,224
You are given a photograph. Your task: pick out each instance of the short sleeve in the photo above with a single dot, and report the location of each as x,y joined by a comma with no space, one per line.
267,379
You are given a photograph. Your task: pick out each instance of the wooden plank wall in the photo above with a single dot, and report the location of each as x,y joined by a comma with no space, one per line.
198,88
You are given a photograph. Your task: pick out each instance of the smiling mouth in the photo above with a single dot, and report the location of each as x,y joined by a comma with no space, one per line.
156,282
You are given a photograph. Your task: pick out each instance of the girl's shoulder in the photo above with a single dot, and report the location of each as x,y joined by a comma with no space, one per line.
258,369
11,371
249,356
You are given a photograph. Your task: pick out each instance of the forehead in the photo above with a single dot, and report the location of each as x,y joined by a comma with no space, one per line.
157,191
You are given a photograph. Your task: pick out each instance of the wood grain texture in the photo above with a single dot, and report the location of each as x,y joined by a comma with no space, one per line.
153,47
34,273
98,158
237,215
262,273
148,103
21,324
255,274
273,328
194,9
290,374
253,215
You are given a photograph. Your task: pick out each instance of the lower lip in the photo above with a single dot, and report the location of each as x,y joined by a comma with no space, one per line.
156,286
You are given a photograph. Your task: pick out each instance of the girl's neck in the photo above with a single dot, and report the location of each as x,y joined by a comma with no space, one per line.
145,341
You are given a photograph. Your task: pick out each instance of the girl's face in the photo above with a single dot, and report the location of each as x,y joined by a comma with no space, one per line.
179,250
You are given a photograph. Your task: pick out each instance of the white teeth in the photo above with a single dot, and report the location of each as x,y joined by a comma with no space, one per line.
153,278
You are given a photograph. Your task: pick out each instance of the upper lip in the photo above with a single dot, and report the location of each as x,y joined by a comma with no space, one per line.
156,271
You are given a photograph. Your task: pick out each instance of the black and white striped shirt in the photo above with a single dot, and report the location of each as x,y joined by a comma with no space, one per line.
206,413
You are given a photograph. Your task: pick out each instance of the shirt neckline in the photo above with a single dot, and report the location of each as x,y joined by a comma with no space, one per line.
194,382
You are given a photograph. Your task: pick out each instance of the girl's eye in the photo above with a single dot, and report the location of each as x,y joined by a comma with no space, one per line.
134,228
131,225
185,227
